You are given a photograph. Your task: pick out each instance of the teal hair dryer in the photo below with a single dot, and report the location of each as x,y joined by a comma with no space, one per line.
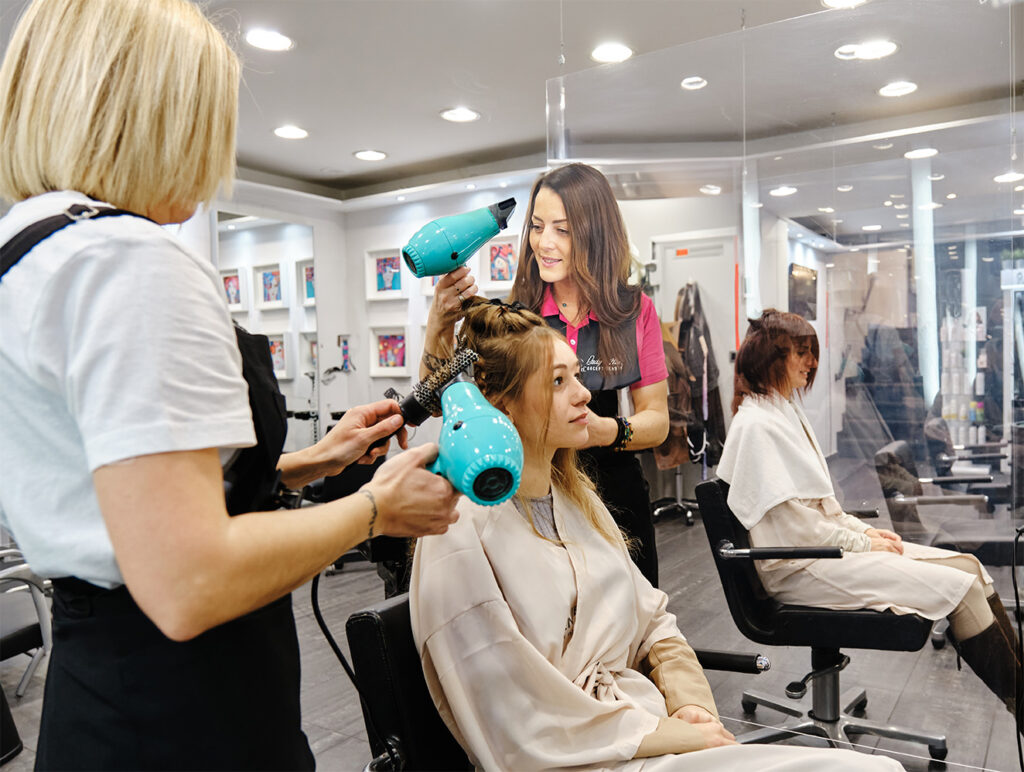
443,245
479,450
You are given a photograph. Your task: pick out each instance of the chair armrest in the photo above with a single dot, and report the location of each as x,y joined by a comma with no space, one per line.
964,498
947,459
728,551
863,514
953,479
982,445
732,661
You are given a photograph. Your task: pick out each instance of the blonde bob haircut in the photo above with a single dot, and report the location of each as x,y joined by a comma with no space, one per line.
132,102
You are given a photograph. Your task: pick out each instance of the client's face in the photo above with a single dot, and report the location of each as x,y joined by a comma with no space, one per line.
799,364
567,413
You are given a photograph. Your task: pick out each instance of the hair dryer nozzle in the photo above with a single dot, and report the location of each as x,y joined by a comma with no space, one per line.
502,211
444,244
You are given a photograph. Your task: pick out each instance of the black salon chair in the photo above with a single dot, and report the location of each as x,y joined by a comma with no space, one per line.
401,720
25,626
764,620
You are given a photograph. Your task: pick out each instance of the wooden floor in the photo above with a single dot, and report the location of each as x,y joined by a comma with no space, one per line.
917,689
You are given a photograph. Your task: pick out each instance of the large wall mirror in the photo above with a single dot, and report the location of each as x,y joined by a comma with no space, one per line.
268,277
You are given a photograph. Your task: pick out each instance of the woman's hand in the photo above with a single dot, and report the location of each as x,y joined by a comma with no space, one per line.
602,430
884,541
695,714
714,734
410,500
450,291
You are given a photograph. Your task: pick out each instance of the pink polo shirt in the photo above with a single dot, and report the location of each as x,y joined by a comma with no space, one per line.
650,352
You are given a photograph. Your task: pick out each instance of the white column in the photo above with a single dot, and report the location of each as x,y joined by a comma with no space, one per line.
924,259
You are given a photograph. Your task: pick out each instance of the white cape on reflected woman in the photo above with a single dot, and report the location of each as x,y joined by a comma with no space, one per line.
490,603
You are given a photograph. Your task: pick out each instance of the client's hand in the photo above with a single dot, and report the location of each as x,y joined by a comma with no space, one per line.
715,735
887,540
694,714
410,500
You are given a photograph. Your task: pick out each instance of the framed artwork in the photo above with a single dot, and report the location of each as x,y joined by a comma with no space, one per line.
309,352
304,281
234,289
388,352
267,286
500,261
346,354
280,355
427,283
386,277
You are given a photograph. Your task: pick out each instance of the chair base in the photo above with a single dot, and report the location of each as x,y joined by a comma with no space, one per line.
838,731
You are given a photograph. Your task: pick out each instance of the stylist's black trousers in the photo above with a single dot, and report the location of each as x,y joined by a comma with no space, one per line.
120,695
624,490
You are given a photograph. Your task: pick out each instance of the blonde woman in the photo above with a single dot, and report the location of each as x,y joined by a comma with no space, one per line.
543,645
124,398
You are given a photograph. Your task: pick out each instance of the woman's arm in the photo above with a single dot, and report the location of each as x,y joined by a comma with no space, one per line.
793,524
649,420
445,311
190,566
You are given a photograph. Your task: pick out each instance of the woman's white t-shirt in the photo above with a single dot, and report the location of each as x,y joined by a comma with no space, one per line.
114,343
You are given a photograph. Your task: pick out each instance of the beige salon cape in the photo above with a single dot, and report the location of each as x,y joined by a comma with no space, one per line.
771,452
491,605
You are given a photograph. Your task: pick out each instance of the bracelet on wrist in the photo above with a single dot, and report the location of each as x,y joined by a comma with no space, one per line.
624,435
373,506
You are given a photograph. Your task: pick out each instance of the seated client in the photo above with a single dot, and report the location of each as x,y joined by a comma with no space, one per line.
543,645
781,491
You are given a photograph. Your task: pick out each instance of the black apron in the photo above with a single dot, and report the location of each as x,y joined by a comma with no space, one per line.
617,474
121,695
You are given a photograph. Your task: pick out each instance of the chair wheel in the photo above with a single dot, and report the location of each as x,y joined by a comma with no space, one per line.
748,706
937,642
937,753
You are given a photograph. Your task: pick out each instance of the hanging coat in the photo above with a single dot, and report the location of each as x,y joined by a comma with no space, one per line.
707,435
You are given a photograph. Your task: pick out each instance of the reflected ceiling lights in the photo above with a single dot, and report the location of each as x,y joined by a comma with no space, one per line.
399,198
888,203
898,88
460,115
950,196
268,40
899,206
871,49
871,227
936,177
502,184
842,4
470,186
902,216
882,146
1018,211
921,152
1019,188
904,225
844,188
693,83
1010,176
611,53
291,132
370,155
710,190
930,205
757,205
782,190
826,209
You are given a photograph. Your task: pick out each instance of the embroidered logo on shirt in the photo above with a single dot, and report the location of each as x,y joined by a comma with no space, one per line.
593,365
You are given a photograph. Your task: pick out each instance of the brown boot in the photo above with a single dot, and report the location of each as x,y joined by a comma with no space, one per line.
1009,632
993,659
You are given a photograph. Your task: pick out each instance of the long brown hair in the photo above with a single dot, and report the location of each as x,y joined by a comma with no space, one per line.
599,262
761,360
514,343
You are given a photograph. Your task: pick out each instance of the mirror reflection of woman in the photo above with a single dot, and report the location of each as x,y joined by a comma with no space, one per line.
780,490
543,645
574,272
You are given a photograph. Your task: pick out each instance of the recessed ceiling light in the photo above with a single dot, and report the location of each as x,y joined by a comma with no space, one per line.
855,249
693,83
777,158
871,227
896,195
460,115
950,196
782,190
1010,176
904,225
1019,211
268,40
899,206
882,146
921,152
902,216
844,188
610,53
872,49
470,186
898,88
836,222
936,177
826,209
929,205
954,257
502,184
842,4
291,132
987,259
830,265
710,190
231,227
888,203
757,205
370,155
400,198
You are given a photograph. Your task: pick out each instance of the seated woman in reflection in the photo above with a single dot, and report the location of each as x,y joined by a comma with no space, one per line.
780,490
543,645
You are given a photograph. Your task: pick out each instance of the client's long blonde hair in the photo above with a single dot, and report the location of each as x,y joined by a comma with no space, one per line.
513,343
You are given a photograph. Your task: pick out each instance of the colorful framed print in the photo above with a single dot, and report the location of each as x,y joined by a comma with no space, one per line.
233,283
388,352
267,286
280,355
305,282
309,351
386,277
500,260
